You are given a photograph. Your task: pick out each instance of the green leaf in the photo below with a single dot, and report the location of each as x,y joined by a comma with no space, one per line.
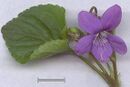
33,30
50,48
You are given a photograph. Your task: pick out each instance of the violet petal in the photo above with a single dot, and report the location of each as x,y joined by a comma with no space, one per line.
117,44
102,51
84,44
88,22
111,17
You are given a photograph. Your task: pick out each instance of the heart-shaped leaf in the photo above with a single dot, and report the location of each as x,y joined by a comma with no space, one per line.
36,32
50,48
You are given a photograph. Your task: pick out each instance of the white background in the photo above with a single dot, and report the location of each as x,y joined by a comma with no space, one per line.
77,74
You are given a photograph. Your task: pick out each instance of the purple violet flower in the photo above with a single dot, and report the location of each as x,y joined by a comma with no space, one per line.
100,41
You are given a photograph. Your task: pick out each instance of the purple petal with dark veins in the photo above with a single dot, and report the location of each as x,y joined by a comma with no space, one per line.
111,17
88,22
117,44
84,44
102,50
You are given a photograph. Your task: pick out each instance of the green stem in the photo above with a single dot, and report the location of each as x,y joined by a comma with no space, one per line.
99,64
102,74
110,70
113,60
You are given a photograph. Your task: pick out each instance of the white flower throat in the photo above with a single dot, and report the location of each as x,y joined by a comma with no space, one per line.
101,38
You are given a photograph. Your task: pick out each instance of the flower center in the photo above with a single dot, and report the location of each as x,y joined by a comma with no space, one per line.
101,38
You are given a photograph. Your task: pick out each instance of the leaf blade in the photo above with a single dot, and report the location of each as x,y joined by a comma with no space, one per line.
32,28
51,48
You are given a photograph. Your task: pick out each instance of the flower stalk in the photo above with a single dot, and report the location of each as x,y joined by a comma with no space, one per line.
103,75
99,64
111,81
115,72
